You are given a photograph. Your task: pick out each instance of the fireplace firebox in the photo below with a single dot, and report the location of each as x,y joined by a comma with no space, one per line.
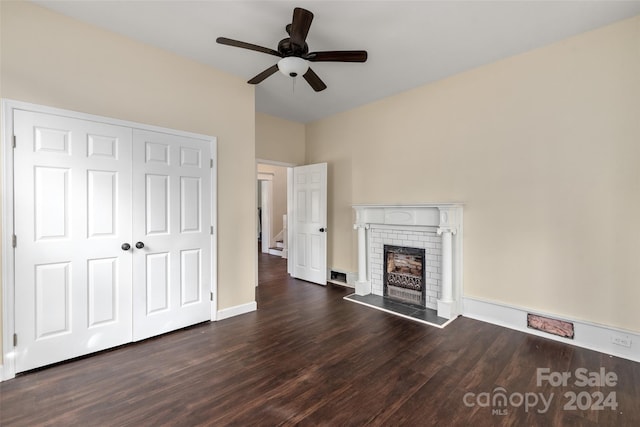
404,274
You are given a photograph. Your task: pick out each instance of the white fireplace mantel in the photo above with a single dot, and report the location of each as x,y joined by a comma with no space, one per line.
447,220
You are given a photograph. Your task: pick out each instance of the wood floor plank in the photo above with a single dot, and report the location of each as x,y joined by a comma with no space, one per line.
307,357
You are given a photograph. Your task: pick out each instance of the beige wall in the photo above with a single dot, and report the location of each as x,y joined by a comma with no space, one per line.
543,148
279,140
49,59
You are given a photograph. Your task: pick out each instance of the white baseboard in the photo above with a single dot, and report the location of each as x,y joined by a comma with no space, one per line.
237,310
6,371
586,334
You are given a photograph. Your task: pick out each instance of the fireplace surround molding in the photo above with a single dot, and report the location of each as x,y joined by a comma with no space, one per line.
443,218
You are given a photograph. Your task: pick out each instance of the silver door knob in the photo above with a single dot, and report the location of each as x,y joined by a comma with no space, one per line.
139,245
125,246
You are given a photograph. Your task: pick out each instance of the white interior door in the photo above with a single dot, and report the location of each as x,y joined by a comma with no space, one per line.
72,190
172,219
310,223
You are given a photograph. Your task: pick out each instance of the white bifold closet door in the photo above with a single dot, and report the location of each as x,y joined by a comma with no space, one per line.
171,217
83,189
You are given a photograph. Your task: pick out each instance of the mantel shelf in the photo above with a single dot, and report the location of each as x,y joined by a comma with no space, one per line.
422,214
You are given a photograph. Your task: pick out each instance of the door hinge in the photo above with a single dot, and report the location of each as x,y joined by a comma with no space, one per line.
14,141
15,340
211,163
14,241
212,230
211,295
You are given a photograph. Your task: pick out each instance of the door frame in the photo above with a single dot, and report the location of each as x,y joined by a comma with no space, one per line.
7,366
265,181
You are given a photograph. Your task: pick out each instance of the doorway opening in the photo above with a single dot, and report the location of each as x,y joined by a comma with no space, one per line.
293,214
273,204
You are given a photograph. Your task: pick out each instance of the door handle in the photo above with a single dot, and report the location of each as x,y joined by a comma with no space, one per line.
323,229
139,245
125,246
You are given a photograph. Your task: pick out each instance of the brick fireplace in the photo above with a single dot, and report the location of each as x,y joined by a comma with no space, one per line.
426,234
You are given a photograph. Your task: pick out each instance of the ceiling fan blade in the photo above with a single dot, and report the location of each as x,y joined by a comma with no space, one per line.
300,25
244,45
263,75
338,56
314,81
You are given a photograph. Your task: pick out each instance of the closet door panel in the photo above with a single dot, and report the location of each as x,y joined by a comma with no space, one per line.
171,204
72,186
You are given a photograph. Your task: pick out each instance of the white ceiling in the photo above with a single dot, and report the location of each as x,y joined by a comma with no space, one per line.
410,43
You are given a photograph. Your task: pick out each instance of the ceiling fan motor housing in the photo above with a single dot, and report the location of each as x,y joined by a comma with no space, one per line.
287,48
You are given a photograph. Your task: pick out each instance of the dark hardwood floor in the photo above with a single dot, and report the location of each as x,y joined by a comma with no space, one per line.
308,357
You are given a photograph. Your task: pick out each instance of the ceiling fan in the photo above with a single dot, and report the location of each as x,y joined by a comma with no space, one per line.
295,54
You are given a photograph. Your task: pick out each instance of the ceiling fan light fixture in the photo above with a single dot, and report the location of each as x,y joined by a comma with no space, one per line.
293,66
